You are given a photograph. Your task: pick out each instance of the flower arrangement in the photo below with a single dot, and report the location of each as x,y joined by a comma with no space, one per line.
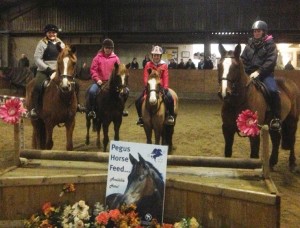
80,215
247,123
12,110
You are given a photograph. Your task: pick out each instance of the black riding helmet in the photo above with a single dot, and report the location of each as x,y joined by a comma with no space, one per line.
108,43
50,27
260,25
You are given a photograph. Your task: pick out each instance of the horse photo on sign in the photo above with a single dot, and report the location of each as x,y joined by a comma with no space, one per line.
137,175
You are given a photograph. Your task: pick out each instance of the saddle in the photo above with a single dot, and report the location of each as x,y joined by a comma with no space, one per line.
260,86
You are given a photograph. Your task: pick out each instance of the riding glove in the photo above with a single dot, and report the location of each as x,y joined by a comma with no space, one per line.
49,71
254,74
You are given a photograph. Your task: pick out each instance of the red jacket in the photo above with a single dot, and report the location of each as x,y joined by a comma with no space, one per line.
164,73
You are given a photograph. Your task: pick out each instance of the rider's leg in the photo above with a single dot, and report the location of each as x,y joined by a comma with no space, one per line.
36,93
125,95
275,103
92,93
80,108
169,101
138,106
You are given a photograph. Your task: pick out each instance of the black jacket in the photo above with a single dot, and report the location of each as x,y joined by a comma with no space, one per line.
261,57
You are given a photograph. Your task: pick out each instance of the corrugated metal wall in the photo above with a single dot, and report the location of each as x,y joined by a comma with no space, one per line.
158,16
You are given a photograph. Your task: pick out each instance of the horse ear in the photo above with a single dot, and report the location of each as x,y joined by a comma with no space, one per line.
149,71
58,46
73,49
141,159
132,159
237,51
222,50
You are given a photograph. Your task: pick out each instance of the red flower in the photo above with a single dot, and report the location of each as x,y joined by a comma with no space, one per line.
102,218
114,214
247,123
12,110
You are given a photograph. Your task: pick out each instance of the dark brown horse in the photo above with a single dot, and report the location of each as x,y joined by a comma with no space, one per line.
110,103
59,102
239,93
154,112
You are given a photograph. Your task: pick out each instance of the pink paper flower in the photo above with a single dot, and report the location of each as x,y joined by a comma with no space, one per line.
12,110
247,123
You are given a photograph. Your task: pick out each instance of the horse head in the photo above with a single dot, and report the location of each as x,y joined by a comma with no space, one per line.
153,86
119,78
230,72
143,181
66,65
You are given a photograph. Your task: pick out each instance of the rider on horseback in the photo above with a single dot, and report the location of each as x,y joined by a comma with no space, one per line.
45,57
162,67
101,69
259,58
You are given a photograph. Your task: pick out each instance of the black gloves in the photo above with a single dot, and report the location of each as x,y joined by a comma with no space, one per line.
49,71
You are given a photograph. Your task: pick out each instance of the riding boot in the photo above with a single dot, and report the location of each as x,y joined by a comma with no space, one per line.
275,106
80,108
35,100
138,106
169,102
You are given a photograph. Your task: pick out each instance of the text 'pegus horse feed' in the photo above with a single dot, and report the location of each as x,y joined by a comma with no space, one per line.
239,93
59,102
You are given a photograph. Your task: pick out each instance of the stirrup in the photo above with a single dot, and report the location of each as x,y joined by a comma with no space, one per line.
275,124
125,113
140,122
92,114
170,120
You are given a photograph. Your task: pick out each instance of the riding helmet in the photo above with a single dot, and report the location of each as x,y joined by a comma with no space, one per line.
260,25
157,50
50,27
108,43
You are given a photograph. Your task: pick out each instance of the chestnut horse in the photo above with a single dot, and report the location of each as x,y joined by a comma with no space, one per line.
110,103
59,102
154,112
239,92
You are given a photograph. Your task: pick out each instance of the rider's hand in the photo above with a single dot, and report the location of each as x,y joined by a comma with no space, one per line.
99,82
254,74
49,71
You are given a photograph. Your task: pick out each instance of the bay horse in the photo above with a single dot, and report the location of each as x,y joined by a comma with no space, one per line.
110,103
59,102
145,189
154,112
239,93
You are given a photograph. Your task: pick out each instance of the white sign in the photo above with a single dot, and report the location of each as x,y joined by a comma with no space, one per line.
137,175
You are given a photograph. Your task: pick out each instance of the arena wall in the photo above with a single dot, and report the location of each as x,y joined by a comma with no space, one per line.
189,84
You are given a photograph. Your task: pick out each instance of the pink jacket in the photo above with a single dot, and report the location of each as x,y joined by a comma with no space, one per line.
103,65
164,73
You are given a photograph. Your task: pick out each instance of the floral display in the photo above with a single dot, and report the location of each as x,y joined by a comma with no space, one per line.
247,123
12,110
80,215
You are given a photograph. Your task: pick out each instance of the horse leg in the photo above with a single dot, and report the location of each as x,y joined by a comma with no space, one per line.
275,138
49,140
88,126
117,125
98,142
228,133
254,146
105,136
70,125
288,132
148,132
